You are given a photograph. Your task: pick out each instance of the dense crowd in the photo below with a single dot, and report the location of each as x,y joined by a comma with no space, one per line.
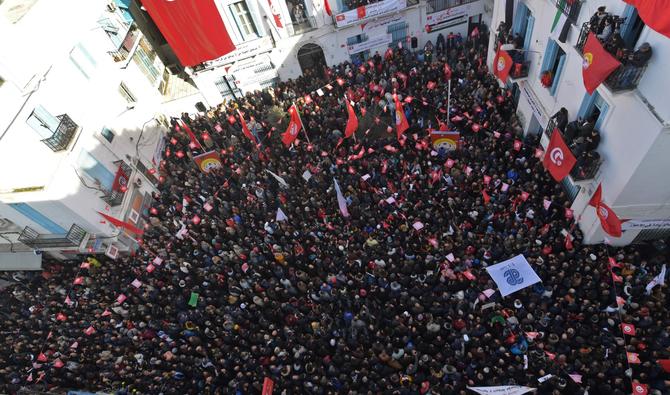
367,304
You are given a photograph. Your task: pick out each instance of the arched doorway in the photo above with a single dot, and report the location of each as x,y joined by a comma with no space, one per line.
311,58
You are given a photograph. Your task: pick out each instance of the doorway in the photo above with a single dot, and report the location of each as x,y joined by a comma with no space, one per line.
312,60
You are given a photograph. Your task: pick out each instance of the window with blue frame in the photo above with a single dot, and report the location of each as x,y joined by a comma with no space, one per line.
398,32
40,219
522,27
595,108
360,57
95,170
552,65
632,28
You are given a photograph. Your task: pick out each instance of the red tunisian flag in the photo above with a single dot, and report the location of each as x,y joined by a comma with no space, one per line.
194,141
326,5
194,29
401,123
118,223
275,14
502,64
598,64
558,160
352,122
294,127
245,128
654,13
608,219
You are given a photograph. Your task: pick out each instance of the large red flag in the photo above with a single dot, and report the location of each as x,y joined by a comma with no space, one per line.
352,122
245,128
558,160
598,64
275,14
401,123
194,29
326,5
654,13
609,221
191,135
117,222
447,72
502,64
294,127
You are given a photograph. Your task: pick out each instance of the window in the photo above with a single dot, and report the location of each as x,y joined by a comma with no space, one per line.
95,170
227,87
107,134
244,21
38,218
43,122
126,94
360,57
522,26
594,107
398,32
553,62
144,58
632,28
83,60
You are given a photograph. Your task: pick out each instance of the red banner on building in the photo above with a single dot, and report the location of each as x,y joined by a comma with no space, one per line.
194,29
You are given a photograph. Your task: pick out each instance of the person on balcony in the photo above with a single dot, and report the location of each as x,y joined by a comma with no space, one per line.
561,118
606,31
615,44
592,140
597,21
634,64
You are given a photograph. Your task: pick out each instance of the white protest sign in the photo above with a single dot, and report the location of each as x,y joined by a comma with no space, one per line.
513,274
502,390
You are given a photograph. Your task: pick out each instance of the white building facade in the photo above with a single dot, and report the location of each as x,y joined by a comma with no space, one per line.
630,111
280,39
81,129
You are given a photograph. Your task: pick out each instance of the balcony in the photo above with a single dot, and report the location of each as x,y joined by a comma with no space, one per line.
63,134
73,238
625,77
570,8
115,196
307,24
519,71
586,167
356,11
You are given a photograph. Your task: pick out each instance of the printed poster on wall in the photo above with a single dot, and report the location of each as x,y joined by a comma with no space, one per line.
452,16
374,42
369,11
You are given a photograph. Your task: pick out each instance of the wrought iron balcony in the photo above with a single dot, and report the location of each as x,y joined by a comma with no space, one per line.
113,198
583,35
72,238
519,70
625,77
583,169
63,134
569,8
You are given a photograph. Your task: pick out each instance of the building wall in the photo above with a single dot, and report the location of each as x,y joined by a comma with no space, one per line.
633,132
86,87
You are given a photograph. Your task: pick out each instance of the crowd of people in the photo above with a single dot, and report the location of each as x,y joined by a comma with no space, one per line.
320,303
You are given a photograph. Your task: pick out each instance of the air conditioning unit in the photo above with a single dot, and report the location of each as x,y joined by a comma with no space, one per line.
111,7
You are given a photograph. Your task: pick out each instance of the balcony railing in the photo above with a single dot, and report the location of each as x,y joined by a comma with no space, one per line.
64,133
520,70
570,8
581,171
115,197
307,24
583,35
72,238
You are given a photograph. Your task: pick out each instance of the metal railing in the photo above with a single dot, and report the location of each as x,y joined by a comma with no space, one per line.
63,134
551,125
569,8
625,77
583,35
579,172
307,24
34,239
115,198
520,70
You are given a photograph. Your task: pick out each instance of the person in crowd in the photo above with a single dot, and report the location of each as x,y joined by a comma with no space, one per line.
221,293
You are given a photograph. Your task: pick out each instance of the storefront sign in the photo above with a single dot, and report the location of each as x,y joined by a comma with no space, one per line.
642,224
374,42
535,104
351,17
453,16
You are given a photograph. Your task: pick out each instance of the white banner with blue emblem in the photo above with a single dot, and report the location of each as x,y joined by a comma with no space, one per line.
513,274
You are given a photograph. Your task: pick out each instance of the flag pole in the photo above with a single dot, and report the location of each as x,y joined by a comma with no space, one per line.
448,103
304,128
